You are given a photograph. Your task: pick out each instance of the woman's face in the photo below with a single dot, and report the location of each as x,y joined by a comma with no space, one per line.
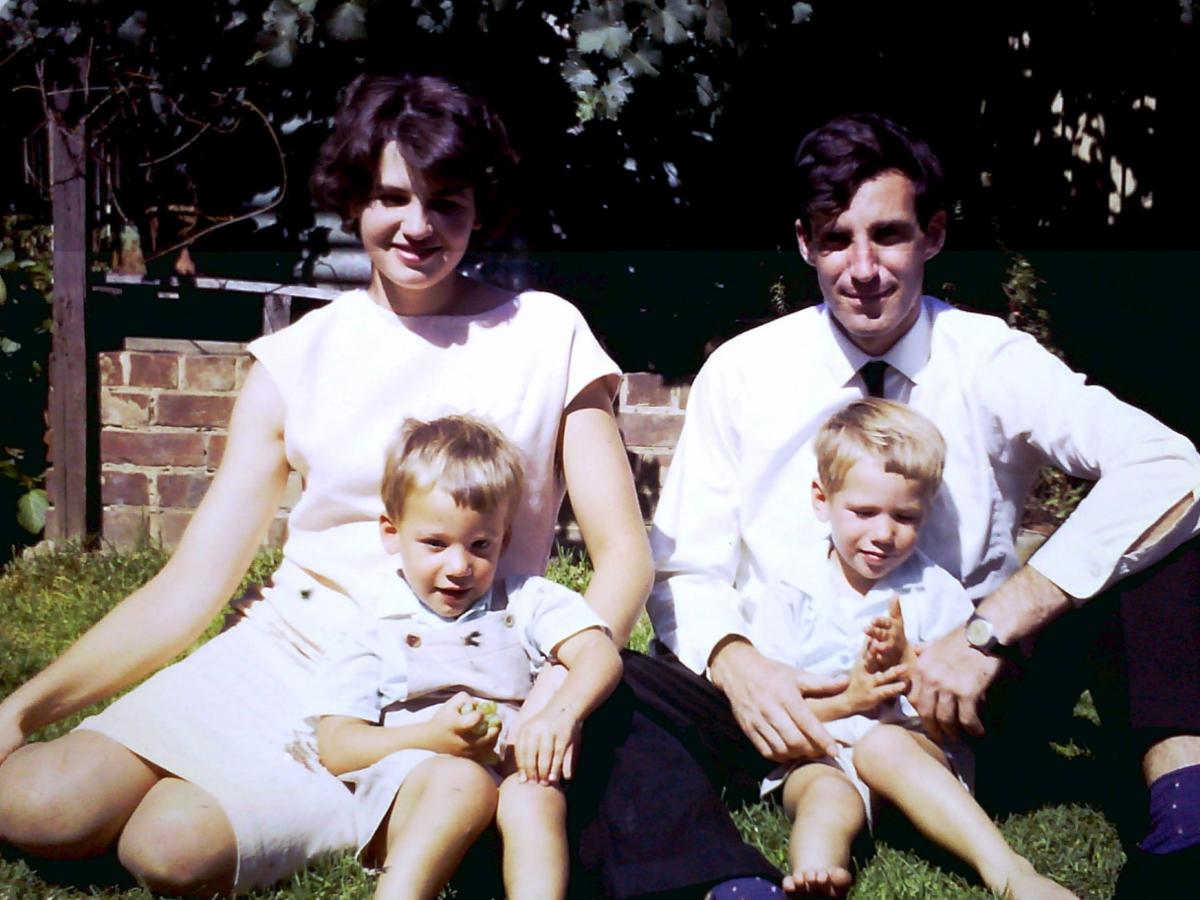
415,228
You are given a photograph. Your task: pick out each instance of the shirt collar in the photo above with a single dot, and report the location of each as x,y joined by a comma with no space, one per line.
402,602
908,356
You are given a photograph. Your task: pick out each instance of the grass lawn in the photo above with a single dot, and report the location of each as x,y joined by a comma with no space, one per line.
47,600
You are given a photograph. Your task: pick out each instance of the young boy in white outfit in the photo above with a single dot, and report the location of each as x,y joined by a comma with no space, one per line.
445,669
861,603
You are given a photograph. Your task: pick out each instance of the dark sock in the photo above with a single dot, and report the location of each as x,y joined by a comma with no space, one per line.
1174,812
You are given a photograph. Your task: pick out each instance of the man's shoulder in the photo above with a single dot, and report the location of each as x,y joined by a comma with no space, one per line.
966,325
762,351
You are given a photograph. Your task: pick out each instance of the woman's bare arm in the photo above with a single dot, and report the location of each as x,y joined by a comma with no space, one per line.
600,486
158,621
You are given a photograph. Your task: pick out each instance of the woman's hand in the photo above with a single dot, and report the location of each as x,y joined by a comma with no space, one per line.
11,735
544,743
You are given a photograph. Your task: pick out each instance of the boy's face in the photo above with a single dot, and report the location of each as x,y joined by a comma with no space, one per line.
448,553
874,519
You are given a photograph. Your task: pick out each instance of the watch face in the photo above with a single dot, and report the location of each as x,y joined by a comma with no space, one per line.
979,632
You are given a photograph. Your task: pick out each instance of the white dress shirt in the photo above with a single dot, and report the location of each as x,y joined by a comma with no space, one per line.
736,507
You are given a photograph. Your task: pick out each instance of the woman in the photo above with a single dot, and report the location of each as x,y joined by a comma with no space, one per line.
203,777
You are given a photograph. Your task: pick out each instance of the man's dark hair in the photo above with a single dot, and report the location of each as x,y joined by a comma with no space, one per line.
441,128
834,160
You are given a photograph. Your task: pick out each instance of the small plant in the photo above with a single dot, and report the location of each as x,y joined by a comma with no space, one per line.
1055,494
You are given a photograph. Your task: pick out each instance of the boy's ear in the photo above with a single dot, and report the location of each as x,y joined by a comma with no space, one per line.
820,502
389,535
507,539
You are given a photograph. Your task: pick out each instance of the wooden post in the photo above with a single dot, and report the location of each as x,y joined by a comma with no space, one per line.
68,405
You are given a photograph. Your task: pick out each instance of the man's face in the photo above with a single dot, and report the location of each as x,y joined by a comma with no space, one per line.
870,261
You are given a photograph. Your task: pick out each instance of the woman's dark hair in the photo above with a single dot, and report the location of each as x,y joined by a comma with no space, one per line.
441,128
835,159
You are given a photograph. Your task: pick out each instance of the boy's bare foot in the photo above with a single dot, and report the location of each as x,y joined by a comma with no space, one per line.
1027,884
832,881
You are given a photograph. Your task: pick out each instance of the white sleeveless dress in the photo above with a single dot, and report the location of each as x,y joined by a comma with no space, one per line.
231,718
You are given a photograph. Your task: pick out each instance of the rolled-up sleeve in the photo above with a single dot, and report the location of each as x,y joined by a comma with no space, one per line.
349,683
548,614
1141,468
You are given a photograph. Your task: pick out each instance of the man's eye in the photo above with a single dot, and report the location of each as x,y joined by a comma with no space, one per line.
831,243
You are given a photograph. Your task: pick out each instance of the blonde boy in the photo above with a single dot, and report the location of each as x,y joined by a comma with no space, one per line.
445,669
859,603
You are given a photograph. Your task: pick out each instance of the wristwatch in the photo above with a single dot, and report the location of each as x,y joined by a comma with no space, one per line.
981,634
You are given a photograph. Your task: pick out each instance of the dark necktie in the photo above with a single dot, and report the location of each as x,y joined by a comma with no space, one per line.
872,375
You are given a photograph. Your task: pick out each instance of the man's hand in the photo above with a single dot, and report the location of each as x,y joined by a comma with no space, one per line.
886,643
768,702
949,678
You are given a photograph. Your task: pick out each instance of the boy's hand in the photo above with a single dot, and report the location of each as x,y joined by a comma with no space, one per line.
868,689
886,644
543,745
461,728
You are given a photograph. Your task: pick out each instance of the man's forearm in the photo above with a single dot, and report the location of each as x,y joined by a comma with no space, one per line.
1023,605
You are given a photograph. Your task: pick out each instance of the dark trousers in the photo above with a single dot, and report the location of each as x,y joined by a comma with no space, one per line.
1135,648
663,761
664,758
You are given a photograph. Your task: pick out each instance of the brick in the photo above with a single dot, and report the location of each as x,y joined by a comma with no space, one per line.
126,409
124,489
112,372
659,430
126,526
160,370
646,389
210,373
150,448
194,410
182,489
244,364
216,450
681,395
172,523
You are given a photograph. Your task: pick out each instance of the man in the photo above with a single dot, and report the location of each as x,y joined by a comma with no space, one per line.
733,509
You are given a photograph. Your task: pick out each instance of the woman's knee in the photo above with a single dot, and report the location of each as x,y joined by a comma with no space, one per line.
179,841
69,798
526,802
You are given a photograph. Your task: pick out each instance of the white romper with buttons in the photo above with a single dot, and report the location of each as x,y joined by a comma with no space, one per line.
232,717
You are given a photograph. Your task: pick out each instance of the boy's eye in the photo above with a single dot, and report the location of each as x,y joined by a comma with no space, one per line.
434,542
482,546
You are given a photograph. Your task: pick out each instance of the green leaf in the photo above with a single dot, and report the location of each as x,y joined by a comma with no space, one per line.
348,23
642,61
610,40
31,510
8,346
7,257
3,292
801,12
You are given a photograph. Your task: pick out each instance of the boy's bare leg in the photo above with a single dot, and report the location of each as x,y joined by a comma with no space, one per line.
533,826
909,770
442,807
826,812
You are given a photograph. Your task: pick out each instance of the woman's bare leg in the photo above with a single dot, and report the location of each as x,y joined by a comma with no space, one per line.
179,841
533,826
826,812
442,807
909,770
70,798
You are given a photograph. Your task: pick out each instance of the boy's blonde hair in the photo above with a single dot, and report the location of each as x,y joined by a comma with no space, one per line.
468,459
905,441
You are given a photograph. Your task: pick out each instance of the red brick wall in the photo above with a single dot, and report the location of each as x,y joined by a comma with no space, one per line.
164,411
